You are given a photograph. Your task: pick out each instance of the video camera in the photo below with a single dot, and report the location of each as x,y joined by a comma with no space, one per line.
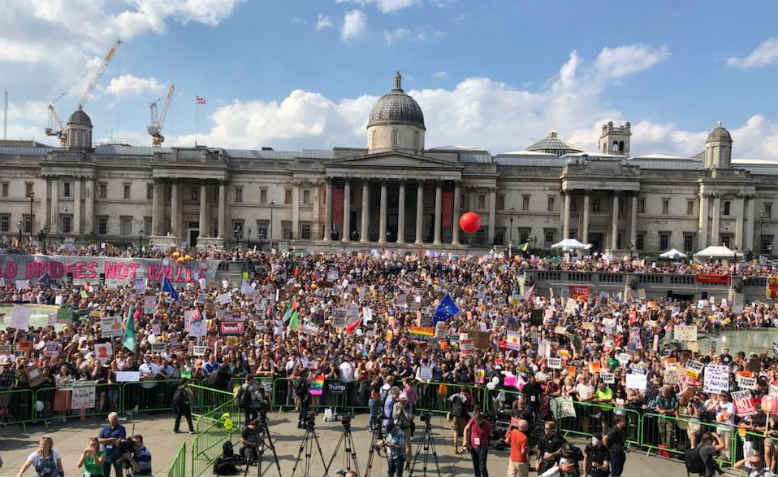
309,419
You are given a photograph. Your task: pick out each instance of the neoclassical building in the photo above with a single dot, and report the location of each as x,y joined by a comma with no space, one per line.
396,192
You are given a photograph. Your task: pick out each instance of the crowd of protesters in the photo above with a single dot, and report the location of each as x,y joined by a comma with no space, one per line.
361,319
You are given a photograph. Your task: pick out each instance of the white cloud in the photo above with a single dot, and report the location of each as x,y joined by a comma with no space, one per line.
130,85
323,21
625,60
440,75
484,112
354,24
763,55
385,6
418,34
396,35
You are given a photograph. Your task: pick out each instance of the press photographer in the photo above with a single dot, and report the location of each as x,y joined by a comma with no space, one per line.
135,456
251,442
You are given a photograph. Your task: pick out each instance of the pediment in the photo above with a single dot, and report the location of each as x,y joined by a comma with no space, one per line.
394,160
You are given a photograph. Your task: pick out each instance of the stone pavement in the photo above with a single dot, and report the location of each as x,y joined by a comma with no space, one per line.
71,439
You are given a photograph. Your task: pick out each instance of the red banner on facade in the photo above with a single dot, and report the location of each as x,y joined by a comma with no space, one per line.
448,208
337,204
579,291
713,278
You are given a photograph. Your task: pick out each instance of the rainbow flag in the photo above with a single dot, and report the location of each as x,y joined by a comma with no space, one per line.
317,386
422,332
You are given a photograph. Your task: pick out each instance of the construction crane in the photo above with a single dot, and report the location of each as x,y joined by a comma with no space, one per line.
155,129
98,74
56,128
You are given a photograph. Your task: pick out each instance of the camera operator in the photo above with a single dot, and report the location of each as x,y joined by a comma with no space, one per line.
709,447
250,442
244,395
301,390
401,414
138,457
110,436
395,449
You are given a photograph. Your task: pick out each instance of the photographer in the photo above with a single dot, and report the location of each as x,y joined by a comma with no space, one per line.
110,436
139,458
249,442
244,396
402,417
301,391
710,445
395,449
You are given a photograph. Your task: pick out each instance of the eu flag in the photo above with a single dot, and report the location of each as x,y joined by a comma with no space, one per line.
446,309
168,287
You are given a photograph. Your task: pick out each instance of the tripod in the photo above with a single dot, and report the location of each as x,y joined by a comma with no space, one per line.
307,446
376,446
265,442
427,445
350,453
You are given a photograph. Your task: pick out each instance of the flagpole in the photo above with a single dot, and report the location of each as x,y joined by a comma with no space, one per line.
197,120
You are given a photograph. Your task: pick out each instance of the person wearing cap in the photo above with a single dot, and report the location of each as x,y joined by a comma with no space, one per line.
404,420
595,462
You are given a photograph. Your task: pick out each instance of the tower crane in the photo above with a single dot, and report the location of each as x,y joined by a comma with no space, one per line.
98,74
155,128
56,128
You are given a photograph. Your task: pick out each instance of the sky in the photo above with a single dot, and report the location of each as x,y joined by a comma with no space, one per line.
492,74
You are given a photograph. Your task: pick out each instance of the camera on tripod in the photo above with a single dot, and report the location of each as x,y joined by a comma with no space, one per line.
309,419
425,416
345,419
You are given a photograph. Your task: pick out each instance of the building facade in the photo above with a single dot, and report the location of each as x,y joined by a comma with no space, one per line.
393,193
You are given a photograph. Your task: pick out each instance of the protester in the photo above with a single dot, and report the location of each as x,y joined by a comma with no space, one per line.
518,460
45,460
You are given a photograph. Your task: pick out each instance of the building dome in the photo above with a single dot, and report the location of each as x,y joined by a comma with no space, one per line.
79,118
551,144
719,133
396,107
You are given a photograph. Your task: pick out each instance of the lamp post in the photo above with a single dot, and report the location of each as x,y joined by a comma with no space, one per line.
20,232
510,236
270,231
32,197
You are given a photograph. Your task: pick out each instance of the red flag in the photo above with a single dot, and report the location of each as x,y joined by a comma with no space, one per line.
353,326
200,100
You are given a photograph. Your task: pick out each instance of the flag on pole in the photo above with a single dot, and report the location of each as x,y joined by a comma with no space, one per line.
200,100
128,339
294,322
289,311
446,309
524,247
168,287
353,326
530,293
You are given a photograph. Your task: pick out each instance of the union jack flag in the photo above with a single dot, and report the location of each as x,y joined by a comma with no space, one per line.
200,100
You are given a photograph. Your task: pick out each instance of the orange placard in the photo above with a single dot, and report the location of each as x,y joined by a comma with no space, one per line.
571,371
594,367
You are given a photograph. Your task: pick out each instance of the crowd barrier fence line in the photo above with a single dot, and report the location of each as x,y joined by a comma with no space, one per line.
17,406
177,467
662,433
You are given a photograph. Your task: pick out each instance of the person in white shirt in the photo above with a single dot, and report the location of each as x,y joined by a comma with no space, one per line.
725,416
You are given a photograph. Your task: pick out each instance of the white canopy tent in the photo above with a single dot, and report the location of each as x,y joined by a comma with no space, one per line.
672,254
715,251
572,244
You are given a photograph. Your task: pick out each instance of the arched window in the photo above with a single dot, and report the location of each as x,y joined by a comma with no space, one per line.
395,137
621,146
615,146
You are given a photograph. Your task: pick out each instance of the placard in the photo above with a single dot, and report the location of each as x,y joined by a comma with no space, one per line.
103,352
111,327
694,368
51,350
199,350
623,358
513,340
671,375
562,407
746,383
608,378
685,333
127,376
716,379
149,304
158,347
554,363
636,381
82,397
20,318
744,403
198,328
232,328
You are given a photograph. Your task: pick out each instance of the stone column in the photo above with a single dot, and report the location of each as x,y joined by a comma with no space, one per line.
455,218
715,240
401,213
44,207
739,211
296,211
77,206
566,216
615,229
203,227
328,211
438,209
364,213
156,201
222,210
382,218
585,231
346,210
54,205
633,231
419,213
703,227
751,224
89,206
175,210
492,215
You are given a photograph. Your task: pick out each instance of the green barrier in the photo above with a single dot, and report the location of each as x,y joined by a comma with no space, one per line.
663,434
434,397
57,402
594,417
149,395
206,399
215,415
17,406
207,447
177,467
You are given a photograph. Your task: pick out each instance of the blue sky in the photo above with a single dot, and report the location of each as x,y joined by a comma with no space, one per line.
497,74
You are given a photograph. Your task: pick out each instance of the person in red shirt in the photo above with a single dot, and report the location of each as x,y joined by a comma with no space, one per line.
518,462
480,431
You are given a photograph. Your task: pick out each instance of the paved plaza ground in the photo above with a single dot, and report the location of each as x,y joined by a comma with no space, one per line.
70,439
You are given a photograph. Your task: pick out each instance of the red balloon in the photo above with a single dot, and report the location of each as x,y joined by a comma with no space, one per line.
470,222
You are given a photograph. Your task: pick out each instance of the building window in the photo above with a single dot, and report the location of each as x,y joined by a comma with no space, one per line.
5,223
288,196
28,221
481,201
194,194
28,189
263,196
67,224
463,202
102,190
767,211
238,194
572,233
640,240
595,206
102,225
5,189
641,205
126,191
66,192
237,229
286,229
525,203
727,207
305,231
689,207
665,206
262,227
125,225
524,234
688,241
726,240
550,204
147,226
500,205
150,191
664,240
766,241
395,137
548,237
307,196
499,235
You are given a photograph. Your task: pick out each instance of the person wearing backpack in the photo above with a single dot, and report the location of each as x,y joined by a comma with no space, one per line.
702,459
459,417
182,403
244,395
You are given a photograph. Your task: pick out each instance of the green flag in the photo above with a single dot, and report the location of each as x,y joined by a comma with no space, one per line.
288,314
293,321
83,294
524,247
128,340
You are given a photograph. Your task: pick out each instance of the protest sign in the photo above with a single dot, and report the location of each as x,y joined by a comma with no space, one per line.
52,350
149,304
744,403
554,363
103,352
746,383
608,378
685,333
158,347
232,328
716,379
199,350
127,376
111,326
20,318
562,407
513,340
636,381
694,368
83,397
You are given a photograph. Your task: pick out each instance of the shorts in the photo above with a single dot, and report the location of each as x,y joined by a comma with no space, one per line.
518,469
458,425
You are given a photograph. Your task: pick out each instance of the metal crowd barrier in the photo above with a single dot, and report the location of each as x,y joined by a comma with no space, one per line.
672,435
177,467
